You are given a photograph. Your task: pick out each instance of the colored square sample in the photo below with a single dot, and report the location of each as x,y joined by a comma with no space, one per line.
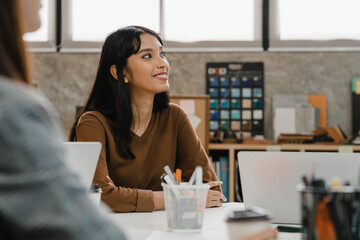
246,114
257,92
235,82
213,82
214,125
235,125
225,103
258,114
235,114
257,103
235,92
225,125
224,92
213,92
224,114
235,103
224,82
214,114
246,125
246,81
214,103
246,103
246,92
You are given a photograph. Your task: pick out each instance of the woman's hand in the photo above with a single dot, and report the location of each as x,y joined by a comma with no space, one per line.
268,234
214,198
109,181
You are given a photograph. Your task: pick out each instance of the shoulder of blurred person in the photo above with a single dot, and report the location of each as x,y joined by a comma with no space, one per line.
39,197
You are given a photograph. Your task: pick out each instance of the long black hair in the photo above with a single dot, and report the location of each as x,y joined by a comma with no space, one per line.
110,96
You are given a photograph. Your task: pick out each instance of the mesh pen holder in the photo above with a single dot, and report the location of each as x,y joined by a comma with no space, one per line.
328,214
184,205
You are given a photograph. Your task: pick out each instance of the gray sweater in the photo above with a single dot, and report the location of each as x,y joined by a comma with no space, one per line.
39,197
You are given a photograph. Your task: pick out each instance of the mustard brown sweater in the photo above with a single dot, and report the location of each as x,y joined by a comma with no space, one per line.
168,140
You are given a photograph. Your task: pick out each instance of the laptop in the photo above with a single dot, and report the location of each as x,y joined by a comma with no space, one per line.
82,159
269,179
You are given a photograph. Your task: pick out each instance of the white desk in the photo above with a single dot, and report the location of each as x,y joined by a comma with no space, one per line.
141,225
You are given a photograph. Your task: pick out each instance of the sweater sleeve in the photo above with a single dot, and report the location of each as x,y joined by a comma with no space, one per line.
120,199
190,152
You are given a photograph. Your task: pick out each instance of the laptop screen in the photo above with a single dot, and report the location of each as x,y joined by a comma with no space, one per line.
269,179
82,159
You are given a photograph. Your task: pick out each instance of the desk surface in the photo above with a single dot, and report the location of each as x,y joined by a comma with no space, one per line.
142,225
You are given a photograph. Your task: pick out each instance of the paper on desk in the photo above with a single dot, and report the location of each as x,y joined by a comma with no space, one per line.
159,235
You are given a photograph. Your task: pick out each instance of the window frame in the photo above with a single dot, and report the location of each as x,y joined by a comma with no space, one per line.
275,44
67,45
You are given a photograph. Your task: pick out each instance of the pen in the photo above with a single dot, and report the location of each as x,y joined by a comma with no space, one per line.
178,176
163,178
169,173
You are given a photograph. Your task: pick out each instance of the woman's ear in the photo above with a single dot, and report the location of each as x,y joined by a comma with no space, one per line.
125,78
113,71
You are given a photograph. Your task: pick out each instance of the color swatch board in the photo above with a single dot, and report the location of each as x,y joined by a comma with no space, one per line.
236,91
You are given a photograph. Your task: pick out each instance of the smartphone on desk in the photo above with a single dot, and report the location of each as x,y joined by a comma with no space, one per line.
249,214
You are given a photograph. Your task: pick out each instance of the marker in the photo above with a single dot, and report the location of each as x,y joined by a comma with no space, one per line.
305,181
170,174
313,174
172,186
198,172
163,178
178,176
192,179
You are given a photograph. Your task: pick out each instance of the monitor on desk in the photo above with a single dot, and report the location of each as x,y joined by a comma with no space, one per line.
269,179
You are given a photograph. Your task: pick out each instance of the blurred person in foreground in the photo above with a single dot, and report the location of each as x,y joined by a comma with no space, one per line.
39,197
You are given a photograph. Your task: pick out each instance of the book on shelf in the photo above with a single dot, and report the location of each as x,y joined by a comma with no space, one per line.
224,175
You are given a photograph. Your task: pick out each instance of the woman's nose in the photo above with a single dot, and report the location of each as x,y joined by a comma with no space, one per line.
162,63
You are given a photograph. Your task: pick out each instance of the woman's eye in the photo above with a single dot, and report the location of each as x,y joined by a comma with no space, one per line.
147,56
163,54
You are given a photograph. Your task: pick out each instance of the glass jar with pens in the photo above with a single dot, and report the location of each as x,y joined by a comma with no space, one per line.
330,213
184,201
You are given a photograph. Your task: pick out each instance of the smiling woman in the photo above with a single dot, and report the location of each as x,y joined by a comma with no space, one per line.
128,111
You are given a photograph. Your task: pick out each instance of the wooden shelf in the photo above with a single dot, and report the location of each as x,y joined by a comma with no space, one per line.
233,147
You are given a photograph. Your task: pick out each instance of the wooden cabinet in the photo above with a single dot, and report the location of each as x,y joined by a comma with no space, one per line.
233,148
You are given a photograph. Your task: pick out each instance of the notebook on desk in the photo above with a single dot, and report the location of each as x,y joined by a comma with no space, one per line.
269,179
82,159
